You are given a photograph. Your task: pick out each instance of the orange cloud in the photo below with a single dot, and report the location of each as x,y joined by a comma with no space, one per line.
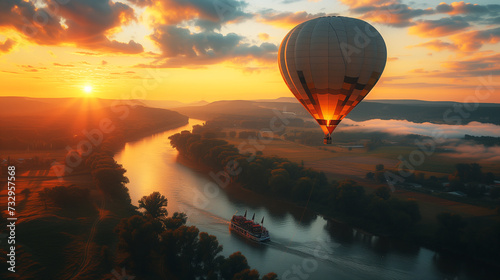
457,8
286,19
7,45
438,28
474,40
63,65
208,15
86,24
263,36
437,45
392,13
182,48
365,3
482,61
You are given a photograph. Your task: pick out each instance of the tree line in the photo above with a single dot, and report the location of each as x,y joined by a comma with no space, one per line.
282,179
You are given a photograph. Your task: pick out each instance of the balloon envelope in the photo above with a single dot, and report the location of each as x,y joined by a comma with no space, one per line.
330,64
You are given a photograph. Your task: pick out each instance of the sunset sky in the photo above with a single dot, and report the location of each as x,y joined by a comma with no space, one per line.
190,50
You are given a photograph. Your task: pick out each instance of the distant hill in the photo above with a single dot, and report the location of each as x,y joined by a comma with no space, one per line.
17,106
412,110
54,123
225,109
168,104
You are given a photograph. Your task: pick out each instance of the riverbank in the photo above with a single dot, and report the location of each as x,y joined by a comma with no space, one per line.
218,153
80,240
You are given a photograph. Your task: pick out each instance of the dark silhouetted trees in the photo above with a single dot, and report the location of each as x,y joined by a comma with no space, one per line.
72,198
383,192
155,205
155,246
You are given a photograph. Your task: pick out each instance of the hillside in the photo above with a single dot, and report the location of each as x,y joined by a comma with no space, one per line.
56,123
417,111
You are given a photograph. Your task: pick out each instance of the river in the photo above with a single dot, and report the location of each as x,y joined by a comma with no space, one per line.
303,245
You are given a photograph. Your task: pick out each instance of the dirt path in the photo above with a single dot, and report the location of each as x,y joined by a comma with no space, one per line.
86,259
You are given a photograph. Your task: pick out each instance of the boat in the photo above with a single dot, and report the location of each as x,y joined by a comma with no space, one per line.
248,228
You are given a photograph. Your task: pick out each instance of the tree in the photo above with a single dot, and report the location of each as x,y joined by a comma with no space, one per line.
270,276
495,192
234,264
450,228
302,189
280,181
468,172
154,204
177,220
379,167
350,197
137,239
247,274
383,192
207,256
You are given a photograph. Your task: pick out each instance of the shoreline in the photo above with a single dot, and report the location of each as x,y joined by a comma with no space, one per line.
419,240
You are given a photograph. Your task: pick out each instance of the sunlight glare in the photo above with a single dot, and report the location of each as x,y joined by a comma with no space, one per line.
87,89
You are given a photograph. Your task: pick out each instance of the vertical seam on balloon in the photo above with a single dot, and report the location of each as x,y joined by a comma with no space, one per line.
364,57
336,35
316,105
328,71
286,62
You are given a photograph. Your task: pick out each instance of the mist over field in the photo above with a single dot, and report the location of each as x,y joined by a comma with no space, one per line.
402,127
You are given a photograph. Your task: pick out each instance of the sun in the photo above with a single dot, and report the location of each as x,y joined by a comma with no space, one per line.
87,89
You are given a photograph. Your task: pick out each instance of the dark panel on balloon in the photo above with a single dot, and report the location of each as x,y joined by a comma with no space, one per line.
306,88
350,80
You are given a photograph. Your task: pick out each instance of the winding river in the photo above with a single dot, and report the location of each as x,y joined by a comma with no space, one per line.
303,245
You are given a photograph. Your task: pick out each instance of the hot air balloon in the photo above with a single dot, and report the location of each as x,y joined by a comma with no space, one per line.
330,64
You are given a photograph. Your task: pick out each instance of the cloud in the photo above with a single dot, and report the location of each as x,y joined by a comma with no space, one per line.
30,68
481,64
419,71
9,72
252,70
87,53
392,13
476,151
440,27
7,45
207,14
457,8
437,45
356,4
84,23
104,62
403,127
181,47
263,36
395,13
286,19
474,40
63,65
392,58
104,44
